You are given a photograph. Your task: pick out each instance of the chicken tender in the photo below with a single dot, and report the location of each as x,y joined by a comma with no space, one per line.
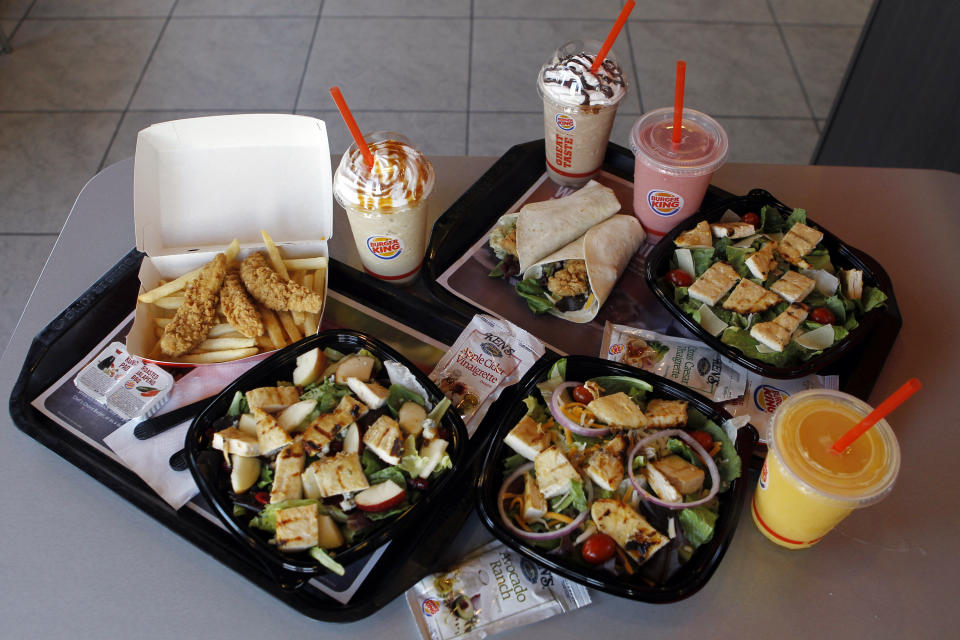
238,307
198,312
268,288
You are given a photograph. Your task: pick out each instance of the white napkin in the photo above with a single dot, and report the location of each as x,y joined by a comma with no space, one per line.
150,458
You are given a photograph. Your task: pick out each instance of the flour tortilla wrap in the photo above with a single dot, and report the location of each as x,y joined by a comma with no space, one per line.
607,249
543,227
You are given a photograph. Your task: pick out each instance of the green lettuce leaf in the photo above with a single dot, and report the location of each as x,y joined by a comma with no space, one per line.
797,215
398,395
771,221
698,524
702,259
266,520
536,298
327,393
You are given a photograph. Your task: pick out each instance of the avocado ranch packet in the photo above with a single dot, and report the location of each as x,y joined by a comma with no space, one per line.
688,362
493,589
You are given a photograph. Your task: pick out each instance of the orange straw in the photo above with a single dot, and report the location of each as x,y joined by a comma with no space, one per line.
678,102
897,398
352,125
605,49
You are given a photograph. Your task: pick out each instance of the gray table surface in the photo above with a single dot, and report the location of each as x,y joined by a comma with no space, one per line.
81,562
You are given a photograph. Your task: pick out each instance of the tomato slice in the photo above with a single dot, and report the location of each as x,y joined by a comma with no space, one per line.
751,218
703,439
582,395
598,548
822,315
679,278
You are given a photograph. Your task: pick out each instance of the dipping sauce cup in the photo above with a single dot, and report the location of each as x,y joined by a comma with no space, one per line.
386,204
670,179
805,490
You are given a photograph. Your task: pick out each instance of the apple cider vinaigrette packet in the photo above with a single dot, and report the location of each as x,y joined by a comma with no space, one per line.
687,362
489,355
493,589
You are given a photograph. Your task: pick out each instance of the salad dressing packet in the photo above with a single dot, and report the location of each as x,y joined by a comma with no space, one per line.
688,362
489,355
128,386
492,590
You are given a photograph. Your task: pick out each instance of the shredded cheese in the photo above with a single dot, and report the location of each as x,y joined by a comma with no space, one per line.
559,517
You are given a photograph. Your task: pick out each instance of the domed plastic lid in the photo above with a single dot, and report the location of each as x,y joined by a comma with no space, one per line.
702,148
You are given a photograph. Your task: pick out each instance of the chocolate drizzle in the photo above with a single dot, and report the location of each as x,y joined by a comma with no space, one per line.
573,72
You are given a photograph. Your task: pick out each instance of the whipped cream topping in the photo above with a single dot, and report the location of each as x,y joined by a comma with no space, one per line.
568,79
401,176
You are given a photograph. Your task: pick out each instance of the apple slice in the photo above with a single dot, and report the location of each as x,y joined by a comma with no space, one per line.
309,367
351,440
411,417
330,536
433,452
354,366
296,413
380,497
244,473
248,424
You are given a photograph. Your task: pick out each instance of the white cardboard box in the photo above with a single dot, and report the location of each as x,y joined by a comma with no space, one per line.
201,182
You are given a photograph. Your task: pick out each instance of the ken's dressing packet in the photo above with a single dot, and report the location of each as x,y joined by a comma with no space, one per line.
688,362
489,355
493,589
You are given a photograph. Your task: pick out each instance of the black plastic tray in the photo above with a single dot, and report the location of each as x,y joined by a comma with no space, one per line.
687,579
80,327
883,320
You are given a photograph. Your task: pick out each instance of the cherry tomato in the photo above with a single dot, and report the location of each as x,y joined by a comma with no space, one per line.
598,548
581,394
751,218
263,497
703,439
822,315
679,278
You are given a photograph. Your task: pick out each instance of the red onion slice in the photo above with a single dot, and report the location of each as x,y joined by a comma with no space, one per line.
700,451
530,535
556,408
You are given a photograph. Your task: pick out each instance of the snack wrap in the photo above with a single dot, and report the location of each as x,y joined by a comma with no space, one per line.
607,249
544,227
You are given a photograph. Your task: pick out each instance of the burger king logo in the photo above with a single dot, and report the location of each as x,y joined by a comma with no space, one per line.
768,398
431,608
616,349
129,384
764,475
565,122
385,247
664,203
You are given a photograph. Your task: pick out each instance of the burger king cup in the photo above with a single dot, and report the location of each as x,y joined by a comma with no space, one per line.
386,204
670,178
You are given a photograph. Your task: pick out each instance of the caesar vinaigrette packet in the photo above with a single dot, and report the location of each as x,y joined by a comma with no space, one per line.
688,362
493,589
489,355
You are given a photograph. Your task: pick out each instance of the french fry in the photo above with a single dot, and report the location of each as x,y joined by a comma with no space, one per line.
264,343
218,356
221,329
162,322
169,288
307,264
156,353
158,332
170,302
232,250
286,319
222,344
311,321
272,325
275,260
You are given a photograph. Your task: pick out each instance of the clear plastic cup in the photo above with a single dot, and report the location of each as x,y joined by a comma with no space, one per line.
670,179
577,120
805,490
387,204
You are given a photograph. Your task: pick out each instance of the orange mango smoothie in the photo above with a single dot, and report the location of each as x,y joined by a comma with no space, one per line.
805,489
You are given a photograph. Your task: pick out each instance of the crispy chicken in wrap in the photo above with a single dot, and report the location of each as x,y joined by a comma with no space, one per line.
521,239
574,282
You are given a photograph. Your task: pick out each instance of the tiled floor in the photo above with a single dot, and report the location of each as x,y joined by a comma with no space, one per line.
456,76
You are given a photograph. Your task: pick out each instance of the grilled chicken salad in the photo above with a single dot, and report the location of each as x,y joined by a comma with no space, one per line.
604,473
322,460
765,285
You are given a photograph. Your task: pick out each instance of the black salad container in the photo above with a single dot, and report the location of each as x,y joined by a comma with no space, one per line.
655,582
842,256
292,571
